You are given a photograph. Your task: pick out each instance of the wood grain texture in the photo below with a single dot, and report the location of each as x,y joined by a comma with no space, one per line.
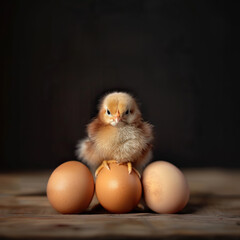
212,212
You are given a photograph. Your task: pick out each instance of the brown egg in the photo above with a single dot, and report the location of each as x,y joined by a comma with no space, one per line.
165,187
116,190
70,187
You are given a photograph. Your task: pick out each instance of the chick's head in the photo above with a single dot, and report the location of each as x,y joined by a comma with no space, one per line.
119,108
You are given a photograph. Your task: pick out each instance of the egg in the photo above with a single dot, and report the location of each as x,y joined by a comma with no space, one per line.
70,187
117,190
165,187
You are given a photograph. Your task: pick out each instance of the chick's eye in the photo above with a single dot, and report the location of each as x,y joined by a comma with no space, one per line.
127,112
108,112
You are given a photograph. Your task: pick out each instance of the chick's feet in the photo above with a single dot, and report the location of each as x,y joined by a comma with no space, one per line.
104,164
130,168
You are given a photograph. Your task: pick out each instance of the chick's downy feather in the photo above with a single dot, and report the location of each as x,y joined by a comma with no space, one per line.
118,132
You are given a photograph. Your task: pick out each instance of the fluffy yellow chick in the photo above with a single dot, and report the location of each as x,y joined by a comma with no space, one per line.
118,133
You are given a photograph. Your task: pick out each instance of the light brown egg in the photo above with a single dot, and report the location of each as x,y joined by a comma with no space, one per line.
116,190
165,187
70,187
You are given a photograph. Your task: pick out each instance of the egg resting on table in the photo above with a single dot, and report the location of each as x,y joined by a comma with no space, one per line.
165,187
118,191
70,187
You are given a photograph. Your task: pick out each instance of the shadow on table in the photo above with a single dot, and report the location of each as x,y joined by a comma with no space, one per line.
207,202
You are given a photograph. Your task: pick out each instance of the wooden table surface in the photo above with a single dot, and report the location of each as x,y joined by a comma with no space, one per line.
213,212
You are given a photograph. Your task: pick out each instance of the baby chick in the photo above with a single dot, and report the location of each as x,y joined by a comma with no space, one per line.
119,133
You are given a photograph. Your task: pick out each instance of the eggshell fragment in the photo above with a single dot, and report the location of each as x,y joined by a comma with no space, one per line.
70,187
116,190
165,187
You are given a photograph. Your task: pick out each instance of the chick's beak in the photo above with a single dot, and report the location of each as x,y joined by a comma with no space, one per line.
117,117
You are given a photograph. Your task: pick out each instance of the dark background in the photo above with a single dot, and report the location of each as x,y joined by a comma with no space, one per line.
179,59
